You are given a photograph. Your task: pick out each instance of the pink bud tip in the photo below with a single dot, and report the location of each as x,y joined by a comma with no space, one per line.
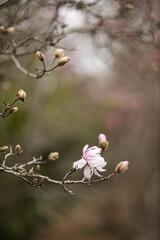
102,138
126,163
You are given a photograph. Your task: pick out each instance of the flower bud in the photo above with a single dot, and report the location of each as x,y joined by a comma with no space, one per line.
40,56
37,168
31,171
103,143
15,109
129,6
63,61
53,156
122,167
3,148
10,30
21,170
17,148
59,53
21,94
3,29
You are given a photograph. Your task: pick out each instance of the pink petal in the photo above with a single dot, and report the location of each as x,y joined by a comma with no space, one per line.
102,138
88,172
85,148
96,173
79,164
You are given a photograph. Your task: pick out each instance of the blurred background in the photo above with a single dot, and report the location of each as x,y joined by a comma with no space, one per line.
111,86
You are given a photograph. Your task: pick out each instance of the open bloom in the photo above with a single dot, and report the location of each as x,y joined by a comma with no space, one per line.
92,161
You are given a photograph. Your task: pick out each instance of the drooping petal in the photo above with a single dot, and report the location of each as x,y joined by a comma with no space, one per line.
100,169
85,148
79,164
88,172
96,173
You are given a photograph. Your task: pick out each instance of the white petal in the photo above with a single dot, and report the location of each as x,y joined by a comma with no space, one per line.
92,152
96,173
101,169
88,172
97,162
85,148
79,164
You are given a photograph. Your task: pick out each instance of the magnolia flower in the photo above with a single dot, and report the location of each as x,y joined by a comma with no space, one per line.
92,161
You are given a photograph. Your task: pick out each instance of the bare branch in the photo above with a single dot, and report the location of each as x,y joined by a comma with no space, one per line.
33,177
8,107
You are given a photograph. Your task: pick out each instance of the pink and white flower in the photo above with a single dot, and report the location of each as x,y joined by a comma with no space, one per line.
92,161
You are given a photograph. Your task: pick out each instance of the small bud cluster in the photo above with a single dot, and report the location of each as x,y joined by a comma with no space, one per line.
8,30
18,149
58,54
8,106
103,143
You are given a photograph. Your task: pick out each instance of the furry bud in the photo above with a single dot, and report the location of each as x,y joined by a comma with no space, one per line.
3,148
103,143
37,168
17,148
21,94
40,56
53,156
63,61
122,167
59,53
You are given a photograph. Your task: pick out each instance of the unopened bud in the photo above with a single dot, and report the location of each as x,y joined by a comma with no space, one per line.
15,109
10,30
129,6
31,171
21,94
3,148
17,148
37,168
59,53
122,167
103,143
53,156
63,61
40,56
22,170
3,29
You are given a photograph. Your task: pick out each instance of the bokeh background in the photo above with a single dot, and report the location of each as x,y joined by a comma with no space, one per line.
113,90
